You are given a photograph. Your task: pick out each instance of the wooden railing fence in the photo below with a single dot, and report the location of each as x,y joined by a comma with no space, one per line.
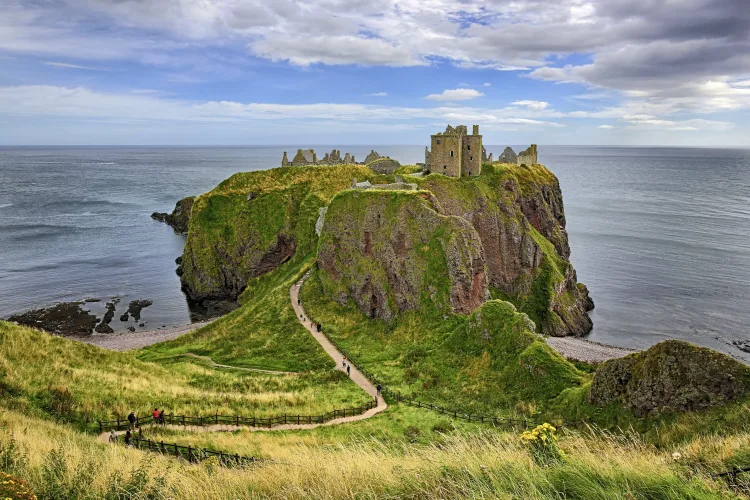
238,420
189,453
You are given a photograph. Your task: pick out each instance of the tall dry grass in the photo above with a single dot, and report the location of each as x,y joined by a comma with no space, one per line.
62,463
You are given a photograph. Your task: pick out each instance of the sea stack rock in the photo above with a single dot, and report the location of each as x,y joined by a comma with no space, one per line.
393,251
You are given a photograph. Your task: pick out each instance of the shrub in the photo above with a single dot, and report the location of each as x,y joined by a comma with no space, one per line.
12,488
542,442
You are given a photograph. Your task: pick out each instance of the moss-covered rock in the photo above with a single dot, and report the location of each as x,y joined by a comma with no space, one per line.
392,251
179,219
670,376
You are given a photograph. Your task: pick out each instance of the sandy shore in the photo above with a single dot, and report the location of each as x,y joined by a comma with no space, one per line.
585,350
126,341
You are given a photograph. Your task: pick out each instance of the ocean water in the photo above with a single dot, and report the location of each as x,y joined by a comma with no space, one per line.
660,235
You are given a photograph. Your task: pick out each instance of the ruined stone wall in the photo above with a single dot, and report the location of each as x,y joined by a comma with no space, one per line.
529,156
471,157
445,157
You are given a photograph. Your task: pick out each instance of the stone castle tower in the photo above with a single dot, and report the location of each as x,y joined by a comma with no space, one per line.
455,153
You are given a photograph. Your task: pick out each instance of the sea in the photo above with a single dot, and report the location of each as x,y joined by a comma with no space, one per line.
661,236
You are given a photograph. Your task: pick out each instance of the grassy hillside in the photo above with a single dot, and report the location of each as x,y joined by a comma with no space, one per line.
488,362
68,381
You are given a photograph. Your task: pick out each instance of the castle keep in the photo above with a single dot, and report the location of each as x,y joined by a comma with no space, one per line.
455,152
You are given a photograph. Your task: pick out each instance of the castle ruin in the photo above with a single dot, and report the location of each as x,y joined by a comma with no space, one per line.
306,157
455,153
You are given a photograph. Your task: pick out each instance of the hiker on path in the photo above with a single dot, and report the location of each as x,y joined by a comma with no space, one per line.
112,436
319,327
349,370
128,435
161,417
343,362
131,419
380,388
155,413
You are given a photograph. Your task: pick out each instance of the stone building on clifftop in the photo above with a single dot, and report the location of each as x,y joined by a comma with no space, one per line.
308,157
455,153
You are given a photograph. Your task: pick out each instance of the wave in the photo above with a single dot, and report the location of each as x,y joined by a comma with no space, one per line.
6,205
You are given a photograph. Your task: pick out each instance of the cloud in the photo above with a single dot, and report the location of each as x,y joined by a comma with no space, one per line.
535,105
378,94
486,84
67,65
462,94
87,104
606,127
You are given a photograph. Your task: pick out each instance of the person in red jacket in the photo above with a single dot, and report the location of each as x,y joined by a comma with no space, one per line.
156,415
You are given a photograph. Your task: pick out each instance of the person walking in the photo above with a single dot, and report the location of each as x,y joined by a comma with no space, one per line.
349,370
343,362
128,435
155,414
380,388
161,416
112,436
131,419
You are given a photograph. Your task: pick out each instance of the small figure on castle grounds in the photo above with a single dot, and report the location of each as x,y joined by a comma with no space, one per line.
128,435
343,362
131,419
299,301
380,388
349,370
319,327
155,414
112,436
161,417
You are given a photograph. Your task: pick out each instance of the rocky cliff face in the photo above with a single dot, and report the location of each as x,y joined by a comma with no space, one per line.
393,251
670,376
254,222
518,214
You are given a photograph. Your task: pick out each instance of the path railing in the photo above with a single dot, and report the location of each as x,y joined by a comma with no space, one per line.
732,474
238,420
189,453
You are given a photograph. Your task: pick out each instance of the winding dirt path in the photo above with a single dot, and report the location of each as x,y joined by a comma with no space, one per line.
329,348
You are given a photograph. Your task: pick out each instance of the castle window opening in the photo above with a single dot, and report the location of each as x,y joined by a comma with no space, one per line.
451,153
438,141
471,157
468,147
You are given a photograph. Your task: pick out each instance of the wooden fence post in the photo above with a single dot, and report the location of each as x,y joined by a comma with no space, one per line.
163,450
118,423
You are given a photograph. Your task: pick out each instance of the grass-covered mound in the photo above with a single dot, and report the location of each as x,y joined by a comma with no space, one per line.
490,362
393,251
70,381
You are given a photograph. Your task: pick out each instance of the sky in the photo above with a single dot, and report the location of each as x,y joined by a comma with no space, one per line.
272,72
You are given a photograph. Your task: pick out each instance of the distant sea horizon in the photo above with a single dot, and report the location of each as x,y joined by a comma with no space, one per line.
660,234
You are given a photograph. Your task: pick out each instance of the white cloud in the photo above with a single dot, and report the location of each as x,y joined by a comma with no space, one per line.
535,105
606,127
378,94
462,94
70,66
486,84
83,103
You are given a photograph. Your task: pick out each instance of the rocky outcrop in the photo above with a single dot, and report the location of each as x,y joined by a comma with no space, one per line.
392,251
179,219
68,318
670,376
